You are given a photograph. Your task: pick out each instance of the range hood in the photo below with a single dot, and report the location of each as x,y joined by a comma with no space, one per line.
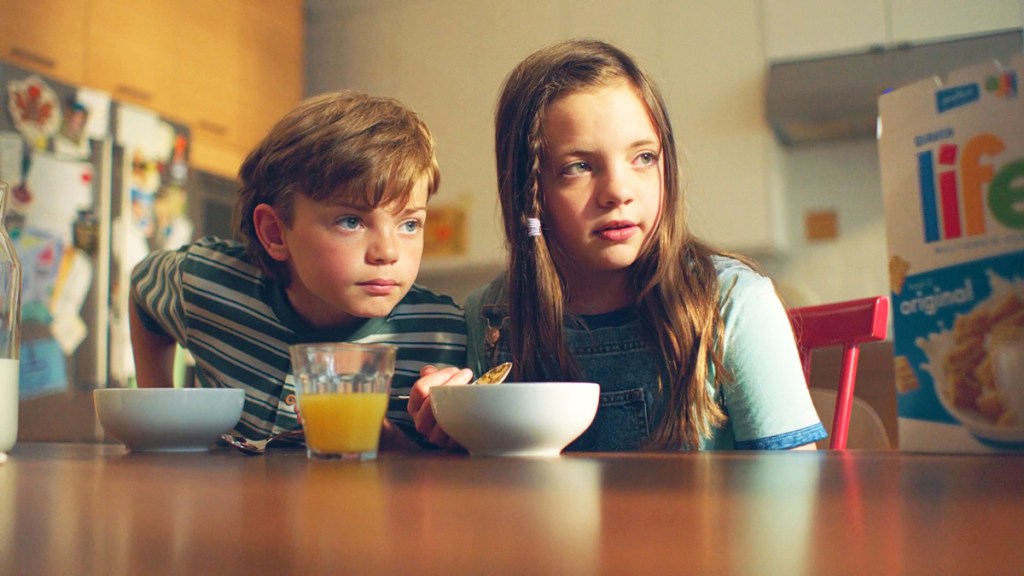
837,97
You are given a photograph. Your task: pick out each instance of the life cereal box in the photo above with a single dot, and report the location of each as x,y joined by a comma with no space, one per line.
952,167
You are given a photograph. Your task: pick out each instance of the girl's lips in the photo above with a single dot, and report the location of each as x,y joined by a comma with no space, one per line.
617,231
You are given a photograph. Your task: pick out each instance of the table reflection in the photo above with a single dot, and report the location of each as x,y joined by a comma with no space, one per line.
98,510
781,513
466,512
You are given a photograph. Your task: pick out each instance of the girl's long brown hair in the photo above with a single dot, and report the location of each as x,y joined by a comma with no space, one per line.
676,288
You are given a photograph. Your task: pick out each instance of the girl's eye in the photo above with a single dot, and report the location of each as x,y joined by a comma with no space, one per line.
647,159
576,168
348,223
411,226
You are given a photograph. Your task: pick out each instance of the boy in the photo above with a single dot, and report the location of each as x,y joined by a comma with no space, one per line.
330,212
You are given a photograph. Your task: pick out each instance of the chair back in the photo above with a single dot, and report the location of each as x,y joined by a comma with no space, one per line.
866,430
848,324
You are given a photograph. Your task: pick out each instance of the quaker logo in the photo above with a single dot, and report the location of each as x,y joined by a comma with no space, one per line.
1001,85
957,96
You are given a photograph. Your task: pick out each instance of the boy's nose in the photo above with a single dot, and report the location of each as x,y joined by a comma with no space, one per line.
383,249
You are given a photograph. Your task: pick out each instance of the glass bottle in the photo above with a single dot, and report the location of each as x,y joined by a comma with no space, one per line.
10,329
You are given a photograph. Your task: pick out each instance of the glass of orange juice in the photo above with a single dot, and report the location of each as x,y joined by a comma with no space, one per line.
342,391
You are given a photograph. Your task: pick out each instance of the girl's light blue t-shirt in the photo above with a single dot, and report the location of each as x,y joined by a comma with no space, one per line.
767,402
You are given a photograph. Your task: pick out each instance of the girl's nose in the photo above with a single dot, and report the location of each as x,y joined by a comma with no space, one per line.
383,249
616,189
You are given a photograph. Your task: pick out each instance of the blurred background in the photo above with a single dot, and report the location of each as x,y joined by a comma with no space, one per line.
774,103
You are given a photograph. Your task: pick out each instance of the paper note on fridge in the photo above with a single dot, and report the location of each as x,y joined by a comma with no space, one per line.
58,189
74,279
144,132
12,147
98,105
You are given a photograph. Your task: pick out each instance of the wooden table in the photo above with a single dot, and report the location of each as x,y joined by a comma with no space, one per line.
95,509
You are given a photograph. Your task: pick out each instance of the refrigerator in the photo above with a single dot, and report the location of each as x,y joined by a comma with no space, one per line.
96,185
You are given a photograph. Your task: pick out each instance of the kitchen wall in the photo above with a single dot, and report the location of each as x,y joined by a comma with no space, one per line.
843,178
387,46
445,59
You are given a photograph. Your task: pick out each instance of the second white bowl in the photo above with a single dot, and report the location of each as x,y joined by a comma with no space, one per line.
516,419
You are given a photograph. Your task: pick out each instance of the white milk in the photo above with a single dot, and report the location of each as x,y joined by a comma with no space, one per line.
1008,368
8,403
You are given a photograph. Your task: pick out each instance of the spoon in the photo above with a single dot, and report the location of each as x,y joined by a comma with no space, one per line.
493,376
256,447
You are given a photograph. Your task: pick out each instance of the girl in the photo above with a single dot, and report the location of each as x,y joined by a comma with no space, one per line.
692,347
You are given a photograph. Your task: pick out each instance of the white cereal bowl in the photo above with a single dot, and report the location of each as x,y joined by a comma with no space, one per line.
168,419
515,419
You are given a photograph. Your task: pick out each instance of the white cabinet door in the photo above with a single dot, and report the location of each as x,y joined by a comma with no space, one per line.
713,84
916,21
707,57
795,29
802,28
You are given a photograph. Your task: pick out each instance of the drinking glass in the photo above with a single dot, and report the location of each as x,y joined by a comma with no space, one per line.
10,329
342,392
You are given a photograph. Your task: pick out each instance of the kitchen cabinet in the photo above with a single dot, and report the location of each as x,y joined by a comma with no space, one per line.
271,75
206,81
239,79
805,28
131,52
47,36
930,20
795,29
173,58
228,73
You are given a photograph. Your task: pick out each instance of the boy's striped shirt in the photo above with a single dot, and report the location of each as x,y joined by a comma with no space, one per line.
237,324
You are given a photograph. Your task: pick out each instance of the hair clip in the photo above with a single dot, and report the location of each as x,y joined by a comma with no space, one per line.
533,227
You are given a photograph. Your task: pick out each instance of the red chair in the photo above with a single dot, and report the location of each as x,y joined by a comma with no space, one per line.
848,324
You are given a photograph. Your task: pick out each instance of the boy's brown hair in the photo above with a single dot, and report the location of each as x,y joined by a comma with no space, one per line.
367,150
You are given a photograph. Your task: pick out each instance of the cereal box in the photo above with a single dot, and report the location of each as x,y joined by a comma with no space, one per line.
952,167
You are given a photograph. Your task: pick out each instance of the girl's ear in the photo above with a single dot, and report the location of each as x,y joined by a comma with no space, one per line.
270,230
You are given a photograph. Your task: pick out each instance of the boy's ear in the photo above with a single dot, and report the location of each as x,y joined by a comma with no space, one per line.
270,230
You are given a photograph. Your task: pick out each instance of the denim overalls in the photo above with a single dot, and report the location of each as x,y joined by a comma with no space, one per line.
614,353
766,402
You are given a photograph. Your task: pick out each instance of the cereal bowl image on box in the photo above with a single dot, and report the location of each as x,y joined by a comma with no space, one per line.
517,419
994,417
168,419
1003,436
977,364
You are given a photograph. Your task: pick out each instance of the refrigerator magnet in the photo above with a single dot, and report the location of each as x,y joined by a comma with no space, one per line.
35,109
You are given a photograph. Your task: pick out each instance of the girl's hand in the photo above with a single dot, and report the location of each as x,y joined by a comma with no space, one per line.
419,401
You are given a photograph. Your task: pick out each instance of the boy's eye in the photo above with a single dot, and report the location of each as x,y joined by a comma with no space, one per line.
411,226
348,223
